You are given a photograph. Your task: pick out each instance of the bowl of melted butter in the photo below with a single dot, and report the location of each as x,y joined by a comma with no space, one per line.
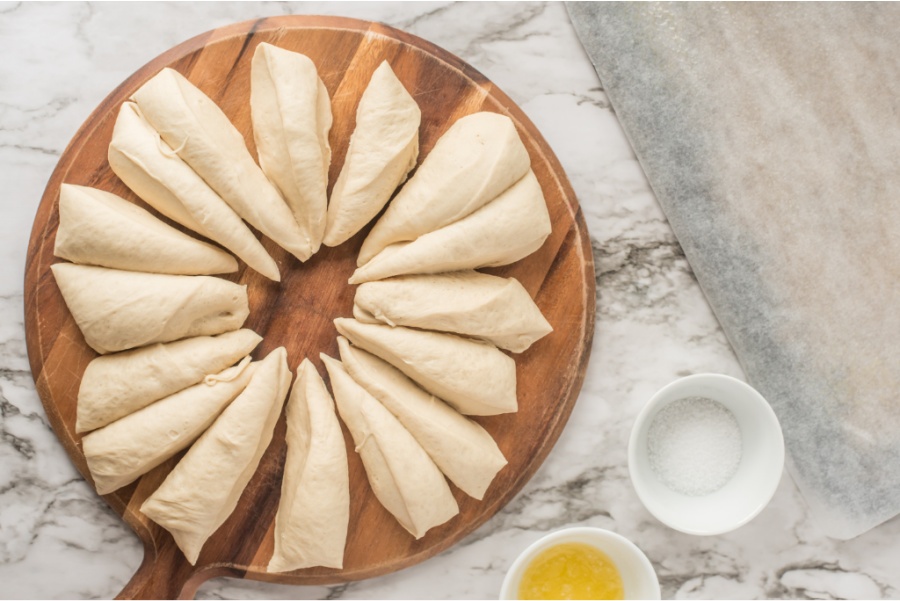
581,563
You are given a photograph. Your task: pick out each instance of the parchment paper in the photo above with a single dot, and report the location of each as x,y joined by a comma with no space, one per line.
771,136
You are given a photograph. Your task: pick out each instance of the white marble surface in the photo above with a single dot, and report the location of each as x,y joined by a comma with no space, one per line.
58,539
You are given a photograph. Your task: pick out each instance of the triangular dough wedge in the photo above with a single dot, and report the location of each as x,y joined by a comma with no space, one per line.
509,228
154,172
383,149
475,160
204,488
497,310
402,475
314,511
99,228
200,133
117,385
462,449
471,376
125,449
118,310
291,114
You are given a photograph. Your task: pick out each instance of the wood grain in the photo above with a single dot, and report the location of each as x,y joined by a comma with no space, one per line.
298,312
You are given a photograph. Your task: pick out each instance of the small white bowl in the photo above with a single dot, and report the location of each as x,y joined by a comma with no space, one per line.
638,578
753,484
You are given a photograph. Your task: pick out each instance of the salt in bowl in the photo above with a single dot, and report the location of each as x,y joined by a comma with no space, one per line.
756,477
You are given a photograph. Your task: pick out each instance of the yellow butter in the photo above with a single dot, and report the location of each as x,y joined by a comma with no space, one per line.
571,571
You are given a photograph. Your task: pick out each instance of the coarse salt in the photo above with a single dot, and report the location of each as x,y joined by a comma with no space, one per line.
694,445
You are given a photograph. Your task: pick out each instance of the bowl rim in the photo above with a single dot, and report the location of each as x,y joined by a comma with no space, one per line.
760,404
565,534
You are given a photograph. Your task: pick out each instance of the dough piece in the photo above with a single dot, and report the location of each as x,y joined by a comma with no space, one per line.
291,114
402,475
471,376
99,228
117,385
203,489
509,228
383,150
498,310
200,133
479,157
314,511
118,310
119,453
154,172
462,449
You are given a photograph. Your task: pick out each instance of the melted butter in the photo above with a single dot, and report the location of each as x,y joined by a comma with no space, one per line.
571,571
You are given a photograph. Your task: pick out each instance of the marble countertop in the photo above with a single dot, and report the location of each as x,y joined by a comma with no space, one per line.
58,539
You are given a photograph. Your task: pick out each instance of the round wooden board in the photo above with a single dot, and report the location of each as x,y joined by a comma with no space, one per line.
298,312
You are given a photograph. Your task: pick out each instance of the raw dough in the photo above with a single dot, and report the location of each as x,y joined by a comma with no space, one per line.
204,488
199,132
475,160
314,511
154,172
291,114
118,310
383,149
462,449
507,229
471,376
119,453
99,228
119,384
498,310
402,475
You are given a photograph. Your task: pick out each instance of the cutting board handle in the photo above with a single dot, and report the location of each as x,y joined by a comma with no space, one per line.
164,574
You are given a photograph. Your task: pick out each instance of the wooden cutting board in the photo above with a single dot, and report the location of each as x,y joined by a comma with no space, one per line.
298,312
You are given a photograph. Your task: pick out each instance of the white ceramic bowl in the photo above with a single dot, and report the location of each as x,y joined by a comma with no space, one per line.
638,578
753,484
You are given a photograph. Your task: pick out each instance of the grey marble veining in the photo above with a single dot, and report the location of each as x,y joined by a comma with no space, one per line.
58,539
